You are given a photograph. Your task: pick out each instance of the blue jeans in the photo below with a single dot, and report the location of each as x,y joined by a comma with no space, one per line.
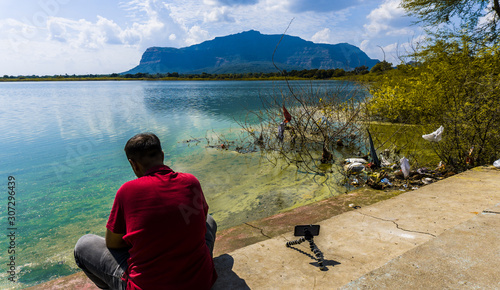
105,267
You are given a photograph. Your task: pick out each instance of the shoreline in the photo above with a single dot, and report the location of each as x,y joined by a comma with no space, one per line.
84,79
241,240
249,233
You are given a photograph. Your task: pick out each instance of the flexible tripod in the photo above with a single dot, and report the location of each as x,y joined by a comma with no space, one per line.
309,237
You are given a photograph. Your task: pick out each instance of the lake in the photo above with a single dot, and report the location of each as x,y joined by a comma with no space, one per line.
63,143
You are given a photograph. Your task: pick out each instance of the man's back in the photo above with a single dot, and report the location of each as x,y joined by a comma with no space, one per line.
163,217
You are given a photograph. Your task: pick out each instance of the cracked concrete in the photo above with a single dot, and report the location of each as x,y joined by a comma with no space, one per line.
257,228
397,225
465,257
363,246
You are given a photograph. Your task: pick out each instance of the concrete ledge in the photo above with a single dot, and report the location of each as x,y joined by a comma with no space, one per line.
359,242
364,245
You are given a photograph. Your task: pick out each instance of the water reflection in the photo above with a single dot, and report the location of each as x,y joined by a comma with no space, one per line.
216,99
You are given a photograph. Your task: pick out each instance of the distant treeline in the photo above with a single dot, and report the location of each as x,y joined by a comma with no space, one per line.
320,74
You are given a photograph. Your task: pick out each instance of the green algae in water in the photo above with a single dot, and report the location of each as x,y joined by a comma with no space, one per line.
245,187
65,149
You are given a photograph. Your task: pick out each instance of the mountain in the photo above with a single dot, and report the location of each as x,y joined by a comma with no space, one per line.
251,51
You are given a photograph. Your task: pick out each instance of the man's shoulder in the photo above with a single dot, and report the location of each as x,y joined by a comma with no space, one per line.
187,179
146,180
187,175
130,185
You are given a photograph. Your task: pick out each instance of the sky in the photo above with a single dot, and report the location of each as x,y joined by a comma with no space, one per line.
57,37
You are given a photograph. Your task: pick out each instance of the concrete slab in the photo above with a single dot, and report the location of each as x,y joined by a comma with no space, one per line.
466,256
493,209
361,241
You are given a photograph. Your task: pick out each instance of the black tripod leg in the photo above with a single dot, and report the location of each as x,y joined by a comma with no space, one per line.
317,253
296,242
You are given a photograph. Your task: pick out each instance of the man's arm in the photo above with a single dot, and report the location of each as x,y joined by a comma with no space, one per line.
115,241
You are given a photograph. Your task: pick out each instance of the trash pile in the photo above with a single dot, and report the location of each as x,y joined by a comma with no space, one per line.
360,172
389,172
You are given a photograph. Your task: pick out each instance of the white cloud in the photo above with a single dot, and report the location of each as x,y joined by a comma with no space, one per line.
489,15
406,31
112,33
196,35
219,14
235,2
383,18
84,46
53,57
389,30
274,5
322,36
394,52
88,39
321,6
364,45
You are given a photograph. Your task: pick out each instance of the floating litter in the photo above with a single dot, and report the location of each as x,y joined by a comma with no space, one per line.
434,136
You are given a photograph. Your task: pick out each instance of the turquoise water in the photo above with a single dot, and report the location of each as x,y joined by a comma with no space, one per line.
63,144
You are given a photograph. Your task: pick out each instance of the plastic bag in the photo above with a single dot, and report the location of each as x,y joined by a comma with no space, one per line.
355,160
354,167
405,166
434,136
497,163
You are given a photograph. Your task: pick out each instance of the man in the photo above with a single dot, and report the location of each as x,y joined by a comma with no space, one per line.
159,235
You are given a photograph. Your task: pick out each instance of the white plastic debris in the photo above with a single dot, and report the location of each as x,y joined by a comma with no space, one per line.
355,160
434,136
354,167
497,163
405,166
384,162
427,180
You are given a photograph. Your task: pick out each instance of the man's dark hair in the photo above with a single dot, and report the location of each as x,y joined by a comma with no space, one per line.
142,145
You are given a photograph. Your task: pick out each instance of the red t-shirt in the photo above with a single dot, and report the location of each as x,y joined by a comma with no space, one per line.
162,215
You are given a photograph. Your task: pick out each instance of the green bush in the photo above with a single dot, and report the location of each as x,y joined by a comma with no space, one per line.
453,85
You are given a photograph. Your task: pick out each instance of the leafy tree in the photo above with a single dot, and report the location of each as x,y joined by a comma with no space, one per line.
360,70
381,67
456,85
480,18
339,72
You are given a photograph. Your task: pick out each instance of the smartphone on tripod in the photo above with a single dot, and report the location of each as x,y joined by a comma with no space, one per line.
301,230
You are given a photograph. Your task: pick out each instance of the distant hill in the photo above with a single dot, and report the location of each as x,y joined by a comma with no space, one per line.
251,51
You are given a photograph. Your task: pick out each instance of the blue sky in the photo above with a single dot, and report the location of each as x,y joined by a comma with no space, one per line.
46,37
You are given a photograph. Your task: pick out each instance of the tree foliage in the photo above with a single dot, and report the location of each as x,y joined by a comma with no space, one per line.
456,85
381,67
325,123
479,18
